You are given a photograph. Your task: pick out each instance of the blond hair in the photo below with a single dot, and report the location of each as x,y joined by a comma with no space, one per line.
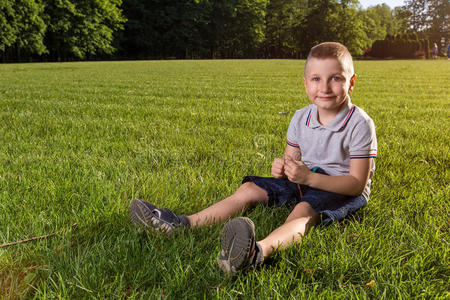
333,50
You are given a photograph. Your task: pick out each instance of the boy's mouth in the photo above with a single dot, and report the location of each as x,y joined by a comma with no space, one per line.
329,97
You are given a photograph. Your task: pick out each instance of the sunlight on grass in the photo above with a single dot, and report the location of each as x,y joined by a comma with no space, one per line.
78,141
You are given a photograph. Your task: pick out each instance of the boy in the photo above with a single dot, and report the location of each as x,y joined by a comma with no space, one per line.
325,171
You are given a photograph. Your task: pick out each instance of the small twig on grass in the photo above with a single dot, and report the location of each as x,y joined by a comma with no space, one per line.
33,238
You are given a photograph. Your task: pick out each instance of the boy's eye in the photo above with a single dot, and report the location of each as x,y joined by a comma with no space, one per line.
315,79
336,78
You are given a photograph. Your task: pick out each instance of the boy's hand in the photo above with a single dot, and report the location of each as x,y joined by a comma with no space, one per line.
278,168
296,171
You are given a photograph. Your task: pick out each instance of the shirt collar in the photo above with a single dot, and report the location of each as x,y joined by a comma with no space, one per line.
339,122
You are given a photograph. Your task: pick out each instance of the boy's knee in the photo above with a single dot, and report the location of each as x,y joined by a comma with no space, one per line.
304,211
252,192
248,186
305,207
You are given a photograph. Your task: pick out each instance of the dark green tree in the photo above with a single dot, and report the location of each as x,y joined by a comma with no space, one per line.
333,20
320,23
439,21
193,28
81,28
430,18
349,29
236,27
249,27
284,27
400,17
21,29
379,22
161,29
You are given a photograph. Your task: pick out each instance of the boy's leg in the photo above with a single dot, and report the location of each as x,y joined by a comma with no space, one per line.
240,250
298,223
247,195
146,214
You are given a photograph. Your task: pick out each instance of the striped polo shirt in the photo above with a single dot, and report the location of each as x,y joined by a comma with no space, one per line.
350,135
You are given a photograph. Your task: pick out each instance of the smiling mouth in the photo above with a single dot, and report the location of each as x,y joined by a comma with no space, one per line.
325,97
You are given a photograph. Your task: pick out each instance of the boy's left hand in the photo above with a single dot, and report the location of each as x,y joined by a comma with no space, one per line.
296,171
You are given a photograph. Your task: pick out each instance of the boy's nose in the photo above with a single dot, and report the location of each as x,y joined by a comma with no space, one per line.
324,86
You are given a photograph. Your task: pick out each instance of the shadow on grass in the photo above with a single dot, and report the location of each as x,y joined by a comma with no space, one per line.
16,280
110,257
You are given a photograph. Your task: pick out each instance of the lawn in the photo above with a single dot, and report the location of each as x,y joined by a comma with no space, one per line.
79,141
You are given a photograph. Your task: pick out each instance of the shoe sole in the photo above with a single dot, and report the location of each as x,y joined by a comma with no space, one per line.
237,241
142,215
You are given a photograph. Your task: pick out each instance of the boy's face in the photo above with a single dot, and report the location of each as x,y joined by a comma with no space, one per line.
327,84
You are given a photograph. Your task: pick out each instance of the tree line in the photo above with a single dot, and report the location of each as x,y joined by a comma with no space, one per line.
64,30
401,46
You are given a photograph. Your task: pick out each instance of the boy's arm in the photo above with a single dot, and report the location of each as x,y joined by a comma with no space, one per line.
292,153
352,184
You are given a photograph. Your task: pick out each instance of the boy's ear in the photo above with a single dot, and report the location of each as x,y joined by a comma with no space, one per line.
352,83
304,80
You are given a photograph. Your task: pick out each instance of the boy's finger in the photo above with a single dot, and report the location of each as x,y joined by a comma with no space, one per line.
287,166
288,172
291,168
291,163
298,163
287,160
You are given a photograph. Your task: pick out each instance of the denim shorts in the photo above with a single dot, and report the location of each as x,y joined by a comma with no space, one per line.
330,206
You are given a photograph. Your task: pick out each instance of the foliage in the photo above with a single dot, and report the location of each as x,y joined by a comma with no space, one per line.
79,140
320,22
400,17
430,18
284,28
350,29
418,15
158,29
439,16
378,21
191,29
81,28
65,30
21,28
248,27
293,27
58,29
400,46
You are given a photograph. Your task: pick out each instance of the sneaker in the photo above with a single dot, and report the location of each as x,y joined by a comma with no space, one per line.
239,247
147,215
141,212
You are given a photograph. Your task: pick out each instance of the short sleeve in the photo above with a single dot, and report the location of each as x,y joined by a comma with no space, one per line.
292,133
363,142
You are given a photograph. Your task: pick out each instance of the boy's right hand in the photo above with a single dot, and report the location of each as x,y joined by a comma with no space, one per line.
278,167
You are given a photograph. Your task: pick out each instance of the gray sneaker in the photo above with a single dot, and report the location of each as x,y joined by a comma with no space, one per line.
147,215
239,247
141,212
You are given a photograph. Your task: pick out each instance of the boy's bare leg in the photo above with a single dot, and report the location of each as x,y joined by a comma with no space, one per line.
298,223
246,195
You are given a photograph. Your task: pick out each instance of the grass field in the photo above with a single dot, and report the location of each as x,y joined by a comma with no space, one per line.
78,141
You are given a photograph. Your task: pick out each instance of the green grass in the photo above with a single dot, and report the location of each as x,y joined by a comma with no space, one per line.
78,141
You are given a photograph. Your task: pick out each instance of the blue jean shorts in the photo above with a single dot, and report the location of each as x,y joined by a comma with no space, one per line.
330,206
